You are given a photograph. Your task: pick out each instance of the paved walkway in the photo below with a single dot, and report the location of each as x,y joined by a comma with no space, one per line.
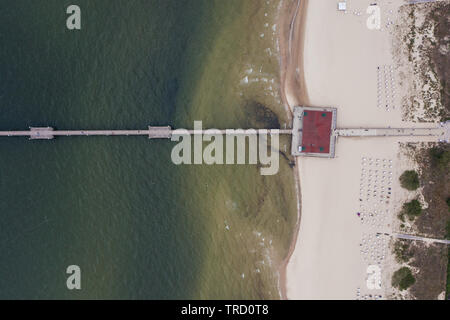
410,237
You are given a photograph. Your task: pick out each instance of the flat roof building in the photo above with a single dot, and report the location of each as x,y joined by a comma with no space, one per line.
313,132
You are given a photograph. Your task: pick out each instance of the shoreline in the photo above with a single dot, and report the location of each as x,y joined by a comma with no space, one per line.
292,34
291,83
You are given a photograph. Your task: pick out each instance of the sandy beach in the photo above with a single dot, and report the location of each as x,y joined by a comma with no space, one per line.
334,59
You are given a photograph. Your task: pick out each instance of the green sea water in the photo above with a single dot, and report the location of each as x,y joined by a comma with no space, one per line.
139,226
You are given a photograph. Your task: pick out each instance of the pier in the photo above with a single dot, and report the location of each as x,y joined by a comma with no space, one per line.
314,132
391,132
165,132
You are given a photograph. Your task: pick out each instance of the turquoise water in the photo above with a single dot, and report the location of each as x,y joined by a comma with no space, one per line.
136,224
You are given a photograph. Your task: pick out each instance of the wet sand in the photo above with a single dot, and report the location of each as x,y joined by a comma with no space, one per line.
292,21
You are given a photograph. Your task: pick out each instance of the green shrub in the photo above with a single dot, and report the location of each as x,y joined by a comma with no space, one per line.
403,278
409,180
440,157
412,209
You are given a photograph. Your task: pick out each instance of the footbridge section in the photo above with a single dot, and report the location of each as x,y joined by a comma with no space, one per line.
441,132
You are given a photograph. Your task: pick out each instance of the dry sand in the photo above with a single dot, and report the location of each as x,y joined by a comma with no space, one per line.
340,58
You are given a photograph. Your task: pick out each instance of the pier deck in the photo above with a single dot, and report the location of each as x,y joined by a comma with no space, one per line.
152,132
314,132
392,132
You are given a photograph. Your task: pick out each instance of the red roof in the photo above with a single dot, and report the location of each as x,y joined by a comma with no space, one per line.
316,131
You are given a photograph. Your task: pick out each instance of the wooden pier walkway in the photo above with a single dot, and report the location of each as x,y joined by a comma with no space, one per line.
440,132
46,133
392,132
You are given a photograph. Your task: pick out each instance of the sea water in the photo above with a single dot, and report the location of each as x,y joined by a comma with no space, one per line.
137,225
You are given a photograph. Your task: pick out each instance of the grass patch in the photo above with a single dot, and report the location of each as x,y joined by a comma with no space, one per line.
447,287
402,251
409,180
403,278
447,290
447,229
